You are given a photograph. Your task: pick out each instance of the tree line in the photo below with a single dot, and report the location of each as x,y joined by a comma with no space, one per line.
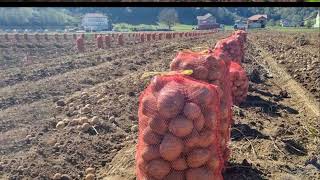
65,16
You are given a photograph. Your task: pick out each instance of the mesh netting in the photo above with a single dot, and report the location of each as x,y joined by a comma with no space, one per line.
239,83
179,121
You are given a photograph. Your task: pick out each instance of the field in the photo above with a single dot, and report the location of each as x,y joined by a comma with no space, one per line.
275,136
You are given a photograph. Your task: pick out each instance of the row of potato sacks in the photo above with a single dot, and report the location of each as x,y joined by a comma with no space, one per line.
185,120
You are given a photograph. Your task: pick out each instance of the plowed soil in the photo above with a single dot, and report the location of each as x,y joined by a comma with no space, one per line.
276,132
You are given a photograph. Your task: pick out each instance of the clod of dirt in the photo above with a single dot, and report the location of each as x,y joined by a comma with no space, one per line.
85,127
294,147
134,128
57,176
60,103
60,125
284,94
90,170
301,40
94,120
89,177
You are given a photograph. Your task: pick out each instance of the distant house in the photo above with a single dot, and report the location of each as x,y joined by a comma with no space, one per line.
207,22
95,22
240,24
257,21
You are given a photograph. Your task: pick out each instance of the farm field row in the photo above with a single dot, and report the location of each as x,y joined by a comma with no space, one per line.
274,135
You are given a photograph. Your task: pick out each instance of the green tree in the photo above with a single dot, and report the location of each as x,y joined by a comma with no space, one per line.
169,17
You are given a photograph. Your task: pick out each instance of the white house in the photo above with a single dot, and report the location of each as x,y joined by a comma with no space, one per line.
95,22
207,22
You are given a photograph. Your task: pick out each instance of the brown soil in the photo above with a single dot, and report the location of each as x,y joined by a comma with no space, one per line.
274,135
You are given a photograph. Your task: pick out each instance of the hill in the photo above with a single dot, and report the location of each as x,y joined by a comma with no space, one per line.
138,15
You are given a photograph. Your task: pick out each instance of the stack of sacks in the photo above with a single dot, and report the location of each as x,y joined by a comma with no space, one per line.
239,83
211,70
229,49
179,119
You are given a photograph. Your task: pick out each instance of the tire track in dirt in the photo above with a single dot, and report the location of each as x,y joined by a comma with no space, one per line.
287,82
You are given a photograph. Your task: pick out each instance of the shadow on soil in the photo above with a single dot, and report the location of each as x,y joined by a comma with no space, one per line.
243,171
241,131
265,106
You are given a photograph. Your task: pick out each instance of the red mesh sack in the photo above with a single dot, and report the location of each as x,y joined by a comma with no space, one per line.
141,37
65,36
6,37
99,42
168,35
208,68
228,49
239,83
16,37
120,40
25,36
80,44
107,40
56,37
46,37
148,37
160,36
154,36
37,37
178,123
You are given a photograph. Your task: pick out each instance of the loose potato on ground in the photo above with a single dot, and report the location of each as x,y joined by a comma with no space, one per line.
180,126
150,152
198,157
171,147
150,137
158,125
199,173
179,164
170,101
192,111
158,168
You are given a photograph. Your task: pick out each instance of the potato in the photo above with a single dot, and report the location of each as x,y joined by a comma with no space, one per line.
192,111
199,123
158,125
170,101
158,83
150,152
206,138
200,73
210,119
151,137
180,126
199,173
192,139
215,75
213,163
142,165
175,175
171,147
174,65
201,95
198,157
149,105
179,164
158,168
